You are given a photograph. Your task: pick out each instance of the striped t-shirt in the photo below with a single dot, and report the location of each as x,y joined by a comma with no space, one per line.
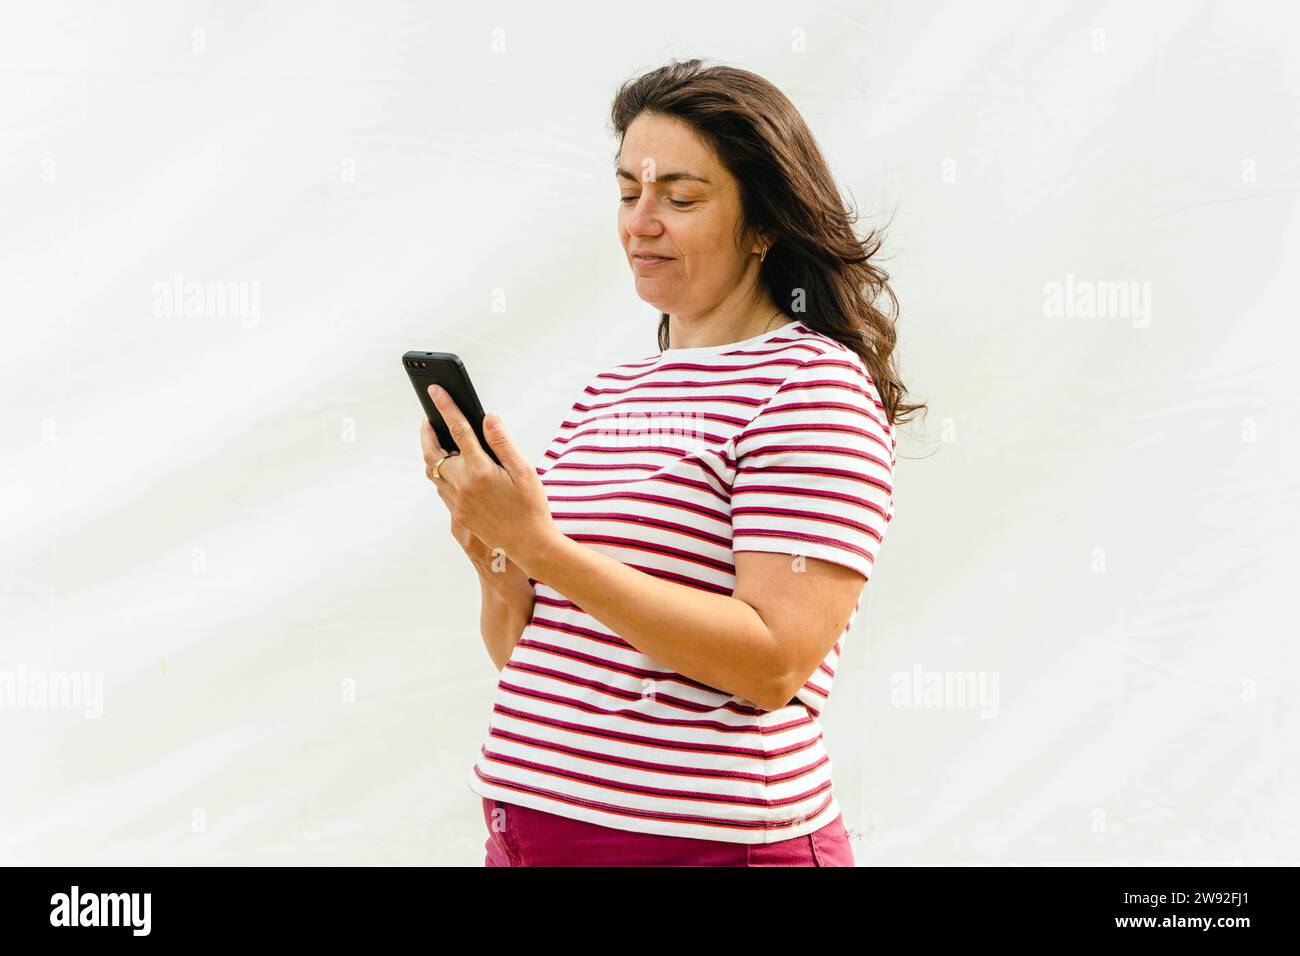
671,464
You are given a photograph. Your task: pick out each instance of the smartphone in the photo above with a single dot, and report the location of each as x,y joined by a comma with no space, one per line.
447,370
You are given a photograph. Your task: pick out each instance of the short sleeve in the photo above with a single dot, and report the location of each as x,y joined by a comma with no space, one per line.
814,469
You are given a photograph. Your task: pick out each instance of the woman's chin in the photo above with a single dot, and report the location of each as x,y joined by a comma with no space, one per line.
652,293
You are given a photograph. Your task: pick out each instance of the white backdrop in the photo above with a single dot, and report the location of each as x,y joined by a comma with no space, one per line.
219,517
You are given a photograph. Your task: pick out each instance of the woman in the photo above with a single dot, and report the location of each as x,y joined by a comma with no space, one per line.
666,592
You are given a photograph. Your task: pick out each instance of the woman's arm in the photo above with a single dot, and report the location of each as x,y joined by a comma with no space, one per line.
760,643
503,618
506,595
756,643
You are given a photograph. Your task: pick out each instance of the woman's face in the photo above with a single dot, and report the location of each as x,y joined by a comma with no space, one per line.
678,202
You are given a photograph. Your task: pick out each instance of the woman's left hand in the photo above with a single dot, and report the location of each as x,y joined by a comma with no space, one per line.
504,505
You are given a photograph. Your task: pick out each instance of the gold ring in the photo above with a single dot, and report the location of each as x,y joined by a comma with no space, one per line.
436,473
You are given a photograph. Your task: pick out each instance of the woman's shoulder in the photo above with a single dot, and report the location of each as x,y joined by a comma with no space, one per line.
826,355
835,365
816,343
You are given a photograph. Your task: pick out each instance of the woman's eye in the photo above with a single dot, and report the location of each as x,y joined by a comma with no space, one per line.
679,203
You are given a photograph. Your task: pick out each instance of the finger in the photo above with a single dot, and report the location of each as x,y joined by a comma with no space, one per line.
429,442
511,458
461,431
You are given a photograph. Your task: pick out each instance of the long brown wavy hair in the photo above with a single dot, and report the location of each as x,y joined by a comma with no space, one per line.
816,265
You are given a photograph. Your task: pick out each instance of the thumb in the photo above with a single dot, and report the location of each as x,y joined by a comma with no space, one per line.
494,430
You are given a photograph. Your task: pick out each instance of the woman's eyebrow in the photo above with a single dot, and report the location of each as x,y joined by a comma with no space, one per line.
622,173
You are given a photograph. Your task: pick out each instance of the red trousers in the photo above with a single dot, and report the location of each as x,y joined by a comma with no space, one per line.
523,836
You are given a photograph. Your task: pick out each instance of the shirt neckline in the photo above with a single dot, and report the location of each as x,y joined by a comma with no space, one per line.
728,346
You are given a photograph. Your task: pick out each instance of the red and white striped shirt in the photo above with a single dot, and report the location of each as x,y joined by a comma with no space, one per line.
671,464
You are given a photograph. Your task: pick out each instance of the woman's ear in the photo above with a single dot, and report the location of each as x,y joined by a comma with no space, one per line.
763,243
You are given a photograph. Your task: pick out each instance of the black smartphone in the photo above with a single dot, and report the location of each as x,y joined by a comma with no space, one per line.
447,370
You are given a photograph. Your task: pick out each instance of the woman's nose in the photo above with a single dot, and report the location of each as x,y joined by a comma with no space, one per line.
640,219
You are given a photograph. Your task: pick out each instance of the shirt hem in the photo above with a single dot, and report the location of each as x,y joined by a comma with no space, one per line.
634,824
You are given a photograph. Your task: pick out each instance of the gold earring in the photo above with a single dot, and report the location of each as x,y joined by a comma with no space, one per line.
763,254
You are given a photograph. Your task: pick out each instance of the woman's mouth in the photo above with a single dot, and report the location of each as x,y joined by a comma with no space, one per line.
643,261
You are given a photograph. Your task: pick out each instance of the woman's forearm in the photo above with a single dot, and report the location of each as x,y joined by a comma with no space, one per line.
715,639
502,621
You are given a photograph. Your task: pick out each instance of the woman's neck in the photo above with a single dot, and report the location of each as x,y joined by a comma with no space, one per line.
719,329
